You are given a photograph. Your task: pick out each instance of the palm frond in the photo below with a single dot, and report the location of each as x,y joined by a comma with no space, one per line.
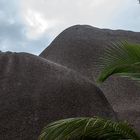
122,59
88,129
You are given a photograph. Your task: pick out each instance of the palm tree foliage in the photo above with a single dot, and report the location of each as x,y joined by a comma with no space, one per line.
88,129
123,59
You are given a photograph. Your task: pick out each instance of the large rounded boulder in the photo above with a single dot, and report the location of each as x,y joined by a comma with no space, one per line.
35,92
79,48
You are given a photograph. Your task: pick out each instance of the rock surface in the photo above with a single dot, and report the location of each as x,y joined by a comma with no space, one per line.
79,47
35,91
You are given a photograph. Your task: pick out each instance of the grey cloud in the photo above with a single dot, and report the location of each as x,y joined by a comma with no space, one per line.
100,13
13,30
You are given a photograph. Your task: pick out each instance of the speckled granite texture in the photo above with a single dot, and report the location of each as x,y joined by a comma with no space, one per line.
35,91
79,47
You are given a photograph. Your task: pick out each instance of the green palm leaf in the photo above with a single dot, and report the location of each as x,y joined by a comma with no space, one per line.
87,129
122,59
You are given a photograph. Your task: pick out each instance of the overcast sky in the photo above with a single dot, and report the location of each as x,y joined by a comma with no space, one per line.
30,25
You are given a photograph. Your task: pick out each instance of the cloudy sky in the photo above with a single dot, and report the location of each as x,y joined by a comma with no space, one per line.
30,25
